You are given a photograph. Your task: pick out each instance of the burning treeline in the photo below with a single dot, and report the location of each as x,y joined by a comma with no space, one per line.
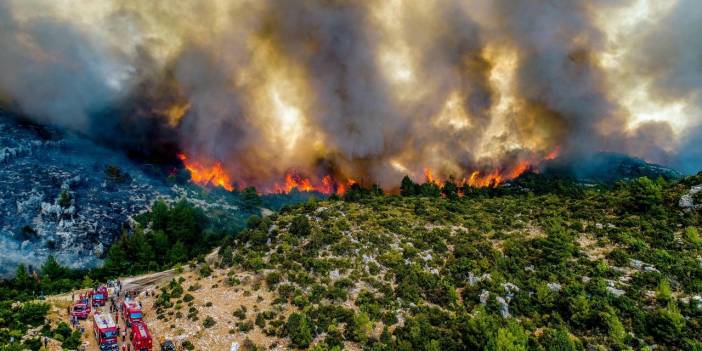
318,94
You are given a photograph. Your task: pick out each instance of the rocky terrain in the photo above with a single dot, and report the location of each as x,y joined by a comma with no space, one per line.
63,195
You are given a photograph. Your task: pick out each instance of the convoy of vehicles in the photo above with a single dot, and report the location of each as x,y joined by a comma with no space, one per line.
105,331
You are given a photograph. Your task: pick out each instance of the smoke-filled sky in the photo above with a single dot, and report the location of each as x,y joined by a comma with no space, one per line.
366,90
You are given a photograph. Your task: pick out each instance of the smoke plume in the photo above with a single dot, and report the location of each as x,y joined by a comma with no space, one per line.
362,90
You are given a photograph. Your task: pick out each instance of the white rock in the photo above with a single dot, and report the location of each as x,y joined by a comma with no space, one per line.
504,307
554,286
614,291
484,295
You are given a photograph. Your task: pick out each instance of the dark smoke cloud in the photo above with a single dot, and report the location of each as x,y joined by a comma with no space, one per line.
320,86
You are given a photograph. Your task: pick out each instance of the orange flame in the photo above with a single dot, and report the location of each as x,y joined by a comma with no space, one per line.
553,154
327,185
207,175
429,176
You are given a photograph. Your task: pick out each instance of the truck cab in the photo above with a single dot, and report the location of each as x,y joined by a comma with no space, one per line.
131,311
81,310
100,296
140,336
105,331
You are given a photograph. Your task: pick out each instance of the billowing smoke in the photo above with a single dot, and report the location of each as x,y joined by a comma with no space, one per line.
362,90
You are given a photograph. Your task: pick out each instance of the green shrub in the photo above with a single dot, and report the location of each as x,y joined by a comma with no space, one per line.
209,322
299,329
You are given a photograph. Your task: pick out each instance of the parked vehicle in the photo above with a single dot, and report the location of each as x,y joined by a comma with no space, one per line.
168,346
81,310
100,296
140,336
131,312
105,331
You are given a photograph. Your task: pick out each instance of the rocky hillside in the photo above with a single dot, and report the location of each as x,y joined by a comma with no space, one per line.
63,195
605,269
66,196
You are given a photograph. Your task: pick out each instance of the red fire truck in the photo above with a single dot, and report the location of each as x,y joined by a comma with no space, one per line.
131,312
100,296
81,310
140,336
105,331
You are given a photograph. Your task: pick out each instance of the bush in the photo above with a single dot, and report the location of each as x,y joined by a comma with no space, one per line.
299,329
300,226
693,236
188,345
272,279
209,322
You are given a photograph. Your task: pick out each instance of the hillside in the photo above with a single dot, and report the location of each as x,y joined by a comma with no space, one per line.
576,268
601,270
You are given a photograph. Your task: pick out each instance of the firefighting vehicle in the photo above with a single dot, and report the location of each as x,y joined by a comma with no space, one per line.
105,331
81,310
140,336
100,296
131,311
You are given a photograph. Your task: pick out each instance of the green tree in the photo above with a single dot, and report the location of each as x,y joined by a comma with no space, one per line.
644,194
178,253
615,328
251,198
64,199
87,282
22,279
663,292
450,190
159,215
511,338
51,268
300,226
408,187
693,236
361,327
560,340
667,324
299,330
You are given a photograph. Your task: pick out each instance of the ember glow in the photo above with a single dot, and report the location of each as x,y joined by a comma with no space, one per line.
305,95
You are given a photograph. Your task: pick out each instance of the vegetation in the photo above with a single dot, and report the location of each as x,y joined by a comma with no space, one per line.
541,264
544,264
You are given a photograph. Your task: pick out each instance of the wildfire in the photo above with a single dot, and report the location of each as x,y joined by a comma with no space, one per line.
429,177
213,174
327,185
203,175
553,154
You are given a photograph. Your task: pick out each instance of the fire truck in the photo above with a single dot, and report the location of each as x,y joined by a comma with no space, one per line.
105,331
140,336
81,310
131,311
100,296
